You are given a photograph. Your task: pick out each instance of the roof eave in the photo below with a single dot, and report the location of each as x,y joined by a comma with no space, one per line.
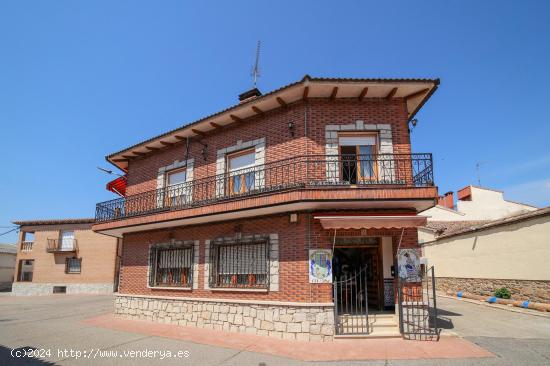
305,81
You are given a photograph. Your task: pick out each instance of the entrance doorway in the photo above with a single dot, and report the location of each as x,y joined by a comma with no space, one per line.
351,258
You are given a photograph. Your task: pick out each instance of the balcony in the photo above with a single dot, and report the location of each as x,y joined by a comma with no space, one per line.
303,172
62,246
26,246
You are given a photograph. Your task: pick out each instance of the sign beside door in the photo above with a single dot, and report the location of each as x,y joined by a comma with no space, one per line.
408,264
320,266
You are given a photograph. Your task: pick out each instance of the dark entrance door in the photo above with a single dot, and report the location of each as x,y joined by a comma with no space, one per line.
349,260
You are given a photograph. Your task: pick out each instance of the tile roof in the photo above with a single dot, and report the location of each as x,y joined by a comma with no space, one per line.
54,221
470,227
449,227
304,79
8,248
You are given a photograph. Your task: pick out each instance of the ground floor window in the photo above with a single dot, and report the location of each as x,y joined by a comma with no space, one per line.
240,264
171,266
73,265
26,268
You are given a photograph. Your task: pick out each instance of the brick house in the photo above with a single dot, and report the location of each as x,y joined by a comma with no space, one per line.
240,221
64,256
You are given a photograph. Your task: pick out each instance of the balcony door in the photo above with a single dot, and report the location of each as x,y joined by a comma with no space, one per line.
67,240
177,191
241,169
358,155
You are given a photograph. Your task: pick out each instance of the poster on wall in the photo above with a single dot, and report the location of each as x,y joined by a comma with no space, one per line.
408,264
320,266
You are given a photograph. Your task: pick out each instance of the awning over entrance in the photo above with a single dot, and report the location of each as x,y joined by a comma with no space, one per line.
371,222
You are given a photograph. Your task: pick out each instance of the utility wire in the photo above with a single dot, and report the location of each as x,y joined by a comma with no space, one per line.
9,231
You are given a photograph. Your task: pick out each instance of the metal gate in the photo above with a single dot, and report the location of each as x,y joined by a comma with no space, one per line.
418,307
351,310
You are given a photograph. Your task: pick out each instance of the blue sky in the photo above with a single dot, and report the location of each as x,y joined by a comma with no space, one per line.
81,79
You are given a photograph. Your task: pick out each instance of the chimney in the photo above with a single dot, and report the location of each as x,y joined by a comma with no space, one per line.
249,95
447,200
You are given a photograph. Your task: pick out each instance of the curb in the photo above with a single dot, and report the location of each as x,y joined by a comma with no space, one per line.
498,306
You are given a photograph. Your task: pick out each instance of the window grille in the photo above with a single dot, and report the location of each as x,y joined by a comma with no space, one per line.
171,266
73,265
240,264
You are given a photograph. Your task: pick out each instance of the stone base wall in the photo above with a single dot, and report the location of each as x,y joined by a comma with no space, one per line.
33,288
536,291
295,322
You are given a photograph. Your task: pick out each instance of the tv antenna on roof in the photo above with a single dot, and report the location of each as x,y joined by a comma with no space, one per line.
478,165
255,73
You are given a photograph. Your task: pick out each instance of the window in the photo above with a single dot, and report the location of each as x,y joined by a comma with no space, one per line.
240,167
28,240
28,236
242,265
177,189
359,161
67,240
171,266
26,268
73,265
60,289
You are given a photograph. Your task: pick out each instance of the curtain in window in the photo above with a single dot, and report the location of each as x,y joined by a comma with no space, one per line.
366,161
241,172
67,240
241,265
173,267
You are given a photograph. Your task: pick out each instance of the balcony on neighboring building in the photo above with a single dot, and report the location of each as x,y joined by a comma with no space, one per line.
26,246
62,245
325,174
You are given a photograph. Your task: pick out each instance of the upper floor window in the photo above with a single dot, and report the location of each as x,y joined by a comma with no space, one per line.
67,240
28,236
358,154
171,266
27,242
242,175
176,177
177,192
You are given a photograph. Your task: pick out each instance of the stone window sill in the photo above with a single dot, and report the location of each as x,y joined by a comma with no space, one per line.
238,289
170,288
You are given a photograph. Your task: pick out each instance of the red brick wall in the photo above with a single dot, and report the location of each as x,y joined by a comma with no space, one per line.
294,242
273,126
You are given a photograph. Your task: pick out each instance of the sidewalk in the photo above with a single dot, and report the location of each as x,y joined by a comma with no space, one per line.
497,306
339,350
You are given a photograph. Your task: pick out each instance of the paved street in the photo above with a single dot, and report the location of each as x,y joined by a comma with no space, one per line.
55,323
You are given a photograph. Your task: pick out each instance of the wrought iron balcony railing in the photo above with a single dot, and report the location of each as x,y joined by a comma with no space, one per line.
409,170
61,245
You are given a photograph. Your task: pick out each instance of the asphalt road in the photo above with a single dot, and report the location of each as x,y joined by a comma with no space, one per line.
53,323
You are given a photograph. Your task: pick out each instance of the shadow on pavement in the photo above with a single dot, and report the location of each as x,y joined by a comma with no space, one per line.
446,312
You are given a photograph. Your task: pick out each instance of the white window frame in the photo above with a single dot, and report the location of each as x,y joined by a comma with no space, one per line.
221,163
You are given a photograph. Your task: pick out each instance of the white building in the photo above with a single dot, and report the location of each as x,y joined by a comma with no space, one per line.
8,253
474,206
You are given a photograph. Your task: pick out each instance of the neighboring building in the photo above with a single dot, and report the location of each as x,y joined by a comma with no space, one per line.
512,252
64,256
229,222
474,206
7,265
